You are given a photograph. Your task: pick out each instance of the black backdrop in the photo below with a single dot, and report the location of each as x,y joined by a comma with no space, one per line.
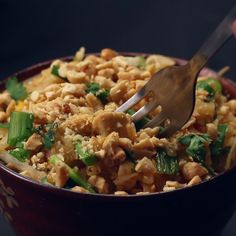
36,30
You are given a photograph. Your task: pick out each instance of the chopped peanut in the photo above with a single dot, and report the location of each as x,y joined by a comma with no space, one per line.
191,169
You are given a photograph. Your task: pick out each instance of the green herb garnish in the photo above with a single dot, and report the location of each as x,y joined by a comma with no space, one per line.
16,89
212,86
104,95
49,136
217,145
167,164
20,154
95,89
196,146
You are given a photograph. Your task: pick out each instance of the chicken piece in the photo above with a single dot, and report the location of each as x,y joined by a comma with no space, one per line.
33,143
105,123
81,123
191,169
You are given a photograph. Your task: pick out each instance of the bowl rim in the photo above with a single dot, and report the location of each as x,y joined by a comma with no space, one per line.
30,71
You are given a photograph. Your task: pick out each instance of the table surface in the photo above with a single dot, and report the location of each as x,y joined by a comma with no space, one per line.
230,229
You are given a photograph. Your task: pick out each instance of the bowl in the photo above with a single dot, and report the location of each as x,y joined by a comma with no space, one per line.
34,209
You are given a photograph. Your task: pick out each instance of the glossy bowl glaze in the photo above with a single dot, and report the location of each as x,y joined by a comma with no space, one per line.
34,209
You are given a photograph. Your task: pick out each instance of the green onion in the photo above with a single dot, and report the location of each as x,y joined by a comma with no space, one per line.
20,154
217,145
4,125
87,158
20,127
73,174
139,124
16,89
55,71
167,164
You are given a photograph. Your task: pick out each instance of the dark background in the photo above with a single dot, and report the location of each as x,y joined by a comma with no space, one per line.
35,30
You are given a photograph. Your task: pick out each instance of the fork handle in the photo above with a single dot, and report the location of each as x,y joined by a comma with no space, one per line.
216,40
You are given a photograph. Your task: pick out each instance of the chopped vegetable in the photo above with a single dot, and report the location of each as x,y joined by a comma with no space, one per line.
16,89
20,127
73,174
139,124
87,158
130,156
49,136
55,71
217,145
204,85
104,95
215,84
20,154
196,146
212,86
95,89
167,164
4,125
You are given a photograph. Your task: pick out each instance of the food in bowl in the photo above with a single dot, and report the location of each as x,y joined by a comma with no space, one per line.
61,128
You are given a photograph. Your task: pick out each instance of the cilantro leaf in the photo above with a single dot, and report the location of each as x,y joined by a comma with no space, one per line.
49,136
196,146
96,90
16,89
20,154
104,95
93,88
217,145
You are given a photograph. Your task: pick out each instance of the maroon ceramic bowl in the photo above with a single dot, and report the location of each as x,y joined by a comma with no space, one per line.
34,209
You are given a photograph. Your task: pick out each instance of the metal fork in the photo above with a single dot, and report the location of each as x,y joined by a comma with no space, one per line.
174,87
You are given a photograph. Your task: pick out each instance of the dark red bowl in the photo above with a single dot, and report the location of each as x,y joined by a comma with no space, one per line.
34,209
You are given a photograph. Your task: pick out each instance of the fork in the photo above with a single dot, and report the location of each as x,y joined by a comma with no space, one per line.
173,88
